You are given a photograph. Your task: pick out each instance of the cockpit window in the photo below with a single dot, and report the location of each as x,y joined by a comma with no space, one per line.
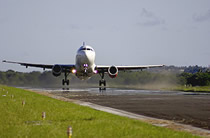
90,49
83,48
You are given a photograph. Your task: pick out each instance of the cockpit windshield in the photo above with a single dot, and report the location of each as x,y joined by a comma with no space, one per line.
85,48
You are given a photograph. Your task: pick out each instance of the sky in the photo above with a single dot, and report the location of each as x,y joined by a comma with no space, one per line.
122,32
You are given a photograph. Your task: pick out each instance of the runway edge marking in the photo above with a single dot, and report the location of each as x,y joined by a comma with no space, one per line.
150,120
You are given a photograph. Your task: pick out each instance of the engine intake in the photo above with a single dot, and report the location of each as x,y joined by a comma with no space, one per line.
113,71
56,70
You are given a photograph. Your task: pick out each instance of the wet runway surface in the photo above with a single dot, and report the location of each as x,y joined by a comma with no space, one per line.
183,107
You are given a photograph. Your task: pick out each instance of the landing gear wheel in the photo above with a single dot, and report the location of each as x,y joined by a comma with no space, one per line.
102,85
100,88
63,82
67,82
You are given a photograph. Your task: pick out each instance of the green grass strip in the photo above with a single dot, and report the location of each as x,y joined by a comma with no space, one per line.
193,89
17,120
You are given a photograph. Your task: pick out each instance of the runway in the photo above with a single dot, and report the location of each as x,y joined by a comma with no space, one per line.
182,107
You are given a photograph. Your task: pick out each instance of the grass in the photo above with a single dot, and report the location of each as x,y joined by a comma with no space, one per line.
193,89
26,121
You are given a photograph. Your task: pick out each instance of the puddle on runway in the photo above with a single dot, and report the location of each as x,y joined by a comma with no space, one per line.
116,91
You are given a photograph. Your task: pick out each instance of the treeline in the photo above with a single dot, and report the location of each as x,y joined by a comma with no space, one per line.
164,77
196,79
34,78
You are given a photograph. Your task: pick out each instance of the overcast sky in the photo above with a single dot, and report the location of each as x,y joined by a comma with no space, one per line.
122,32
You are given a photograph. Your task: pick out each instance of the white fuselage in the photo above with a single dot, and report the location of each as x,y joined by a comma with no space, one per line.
85,62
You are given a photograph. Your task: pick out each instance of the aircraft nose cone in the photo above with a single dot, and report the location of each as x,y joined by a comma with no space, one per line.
87,55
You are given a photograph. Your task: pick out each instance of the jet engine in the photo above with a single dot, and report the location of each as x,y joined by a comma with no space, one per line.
113,71
56,70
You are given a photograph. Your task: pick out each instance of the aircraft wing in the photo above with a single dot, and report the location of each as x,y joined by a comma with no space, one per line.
124,68
44,66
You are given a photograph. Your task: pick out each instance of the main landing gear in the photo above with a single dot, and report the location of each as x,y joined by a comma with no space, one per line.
102,82
65,80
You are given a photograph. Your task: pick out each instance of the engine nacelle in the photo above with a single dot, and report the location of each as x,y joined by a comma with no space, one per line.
56,70
113,71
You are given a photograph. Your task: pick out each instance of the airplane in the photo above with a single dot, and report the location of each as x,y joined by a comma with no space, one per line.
85,67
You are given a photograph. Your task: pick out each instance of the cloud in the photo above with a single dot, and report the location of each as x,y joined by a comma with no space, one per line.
148,18
202,17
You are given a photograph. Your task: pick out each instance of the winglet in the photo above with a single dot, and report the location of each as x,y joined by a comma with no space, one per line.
83,43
